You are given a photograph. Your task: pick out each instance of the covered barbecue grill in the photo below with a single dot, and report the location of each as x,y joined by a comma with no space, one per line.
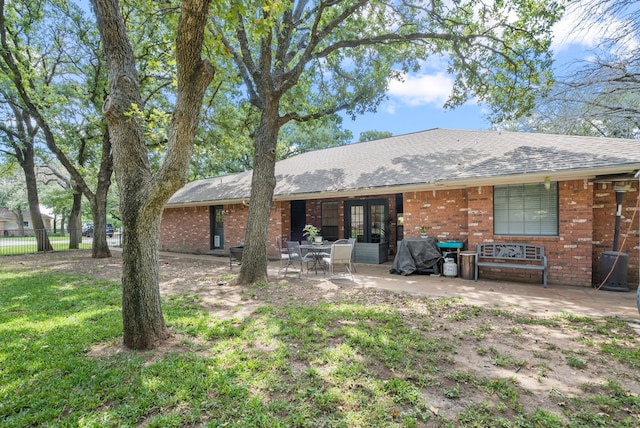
417,255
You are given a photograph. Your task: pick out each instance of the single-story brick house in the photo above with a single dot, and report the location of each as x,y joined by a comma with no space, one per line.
475,186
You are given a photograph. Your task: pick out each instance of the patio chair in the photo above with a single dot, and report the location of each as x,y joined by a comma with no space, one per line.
322,255
340,256
283,252
353,241
339,241
295,256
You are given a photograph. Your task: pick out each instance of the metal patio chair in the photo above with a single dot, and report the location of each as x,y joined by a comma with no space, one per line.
295,257
283,253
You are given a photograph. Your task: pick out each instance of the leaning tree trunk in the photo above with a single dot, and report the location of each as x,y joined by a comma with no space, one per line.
142,194
254,257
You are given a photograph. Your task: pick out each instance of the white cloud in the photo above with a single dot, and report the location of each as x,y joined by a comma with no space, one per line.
390,108
422,89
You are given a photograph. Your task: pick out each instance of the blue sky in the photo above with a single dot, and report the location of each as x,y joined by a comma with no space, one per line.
416,104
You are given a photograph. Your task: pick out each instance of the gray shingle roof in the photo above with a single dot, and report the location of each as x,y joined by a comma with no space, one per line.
437,156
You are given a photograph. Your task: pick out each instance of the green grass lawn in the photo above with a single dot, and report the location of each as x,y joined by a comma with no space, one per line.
344,364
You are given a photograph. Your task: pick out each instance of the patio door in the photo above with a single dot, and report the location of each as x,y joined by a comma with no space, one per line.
298,220
216,216
367,220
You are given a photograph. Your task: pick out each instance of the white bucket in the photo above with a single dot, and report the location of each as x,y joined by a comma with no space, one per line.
450,268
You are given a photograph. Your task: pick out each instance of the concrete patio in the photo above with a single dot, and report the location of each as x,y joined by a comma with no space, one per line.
585,301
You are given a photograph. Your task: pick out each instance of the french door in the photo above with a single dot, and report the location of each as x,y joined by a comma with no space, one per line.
367,220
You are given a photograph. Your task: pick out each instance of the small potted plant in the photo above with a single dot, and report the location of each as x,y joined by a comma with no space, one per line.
312,233
423,231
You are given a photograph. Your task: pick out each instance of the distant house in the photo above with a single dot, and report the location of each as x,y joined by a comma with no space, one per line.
476,186
9,223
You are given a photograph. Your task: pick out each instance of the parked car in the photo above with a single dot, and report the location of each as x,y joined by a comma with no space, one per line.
87,230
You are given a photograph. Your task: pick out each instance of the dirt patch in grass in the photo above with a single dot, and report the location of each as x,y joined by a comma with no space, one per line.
482,355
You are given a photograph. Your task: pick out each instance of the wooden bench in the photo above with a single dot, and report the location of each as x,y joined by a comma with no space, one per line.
235,254
512,255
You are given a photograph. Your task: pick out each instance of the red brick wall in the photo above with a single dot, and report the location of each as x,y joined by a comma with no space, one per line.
186,230
587,216
445,212
235,225
480,215
569,254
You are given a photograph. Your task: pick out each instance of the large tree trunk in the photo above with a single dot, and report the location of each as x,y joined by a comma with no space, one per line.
143,195
42,235
254,257
143,322
100,248
75,220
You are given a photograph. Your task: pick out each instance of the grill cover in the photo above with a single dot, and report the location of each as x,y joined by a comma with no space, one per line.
416,255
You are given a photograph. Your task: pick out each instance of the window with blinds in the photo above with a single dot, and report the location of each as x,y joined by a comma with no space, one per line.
526,209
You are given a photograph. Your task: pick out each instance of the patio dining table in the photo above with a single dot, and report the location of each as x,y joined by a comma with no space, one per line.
317,251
